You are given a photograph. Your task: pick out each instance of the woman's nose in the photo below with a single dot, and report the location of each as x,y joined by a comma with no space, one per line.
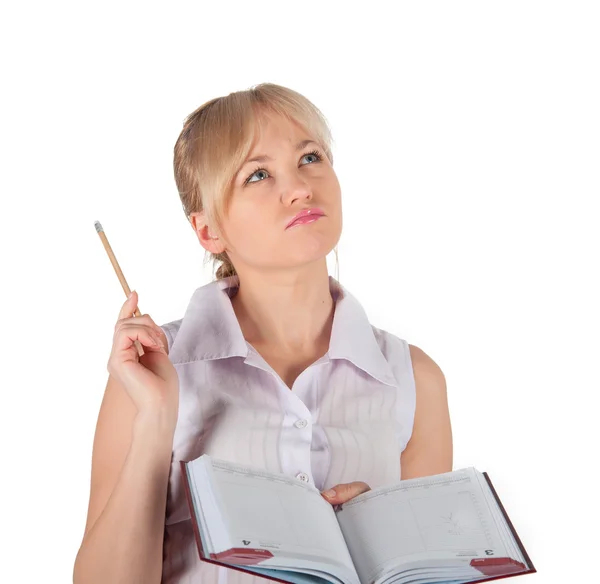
296,187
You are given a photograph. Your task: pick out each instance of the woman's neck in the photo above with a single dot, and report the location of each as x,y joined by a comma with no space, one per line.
288,318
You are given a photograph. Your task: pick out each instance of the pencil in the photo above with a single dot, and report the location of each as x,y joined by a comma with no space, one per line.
115,264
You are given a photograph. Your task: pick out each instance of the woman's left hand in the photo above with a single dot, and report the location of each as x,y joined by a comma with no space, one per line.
345,491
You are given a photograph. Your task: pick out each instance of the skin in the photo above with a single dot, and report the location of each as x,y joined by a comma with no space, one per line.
283,277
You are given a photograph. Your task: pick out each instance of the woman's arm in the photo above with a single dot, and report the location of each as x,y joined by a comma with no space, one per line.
429,450
126,517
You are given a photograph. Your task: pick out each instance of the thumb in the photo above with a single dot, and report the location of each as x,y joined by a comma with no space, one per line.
344,492
128,307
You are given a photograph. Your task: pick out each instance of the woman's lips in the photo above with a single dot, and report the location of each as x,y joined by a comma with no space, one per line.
307,215
304,220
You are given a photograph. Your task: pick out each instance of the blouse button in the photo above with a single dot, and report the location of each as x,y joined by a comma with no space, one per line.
300,424
303,477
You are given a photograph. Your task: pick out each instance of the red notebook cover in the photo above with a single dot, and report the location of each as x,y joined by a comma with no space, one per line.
496,568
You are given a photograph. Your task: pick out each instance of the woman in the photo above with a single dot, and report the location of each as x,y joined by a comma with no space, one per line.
274,364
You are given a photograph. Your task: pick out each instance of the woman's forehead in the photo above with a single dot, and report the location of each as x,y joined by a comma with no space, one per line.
275,121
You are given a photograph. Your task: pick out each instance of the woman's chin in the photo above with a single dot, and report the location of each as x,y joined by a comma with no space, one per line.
315,256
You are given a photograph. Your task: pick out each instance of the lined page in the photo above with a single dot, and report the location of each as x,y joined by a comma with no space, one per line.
439,518
264,510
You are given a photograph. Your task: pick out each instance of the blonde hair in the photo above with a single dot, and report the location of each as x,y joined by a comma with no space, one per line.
217,138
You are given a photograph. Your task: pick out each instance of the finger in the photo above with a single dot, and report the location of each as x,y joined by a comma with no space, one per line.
344,492
144,319
126,336
152,324
129,306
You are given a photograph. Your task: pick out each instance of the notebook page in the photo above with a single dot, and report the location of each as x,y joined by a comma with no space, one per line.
505,532
291,576
211,525
434,575
442,518
264,510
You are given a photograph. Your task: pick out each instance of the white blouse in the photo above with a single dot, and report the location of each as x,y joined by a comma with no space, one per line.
347,418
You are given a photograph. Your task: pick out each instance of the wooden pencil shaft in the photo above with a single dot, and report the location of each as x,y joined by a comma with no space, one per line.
121,276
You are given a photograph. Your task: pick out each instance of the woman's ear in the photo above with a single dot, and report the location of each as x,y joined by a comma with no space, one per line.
208,240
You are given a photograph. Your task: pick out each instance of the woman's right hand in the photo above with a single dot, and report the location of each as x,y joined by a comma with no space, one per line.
150,380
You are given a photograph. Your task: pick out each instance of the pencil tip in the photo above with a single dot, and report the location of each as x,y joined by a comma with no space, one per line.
98,226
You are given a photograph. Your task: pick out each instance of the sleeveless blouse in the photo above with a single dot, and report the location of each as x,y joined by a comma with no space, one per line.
347,417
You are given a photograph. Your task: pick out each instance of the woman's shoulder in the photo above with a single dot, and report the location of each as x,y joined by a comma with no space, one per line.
392,346
398,353
405,358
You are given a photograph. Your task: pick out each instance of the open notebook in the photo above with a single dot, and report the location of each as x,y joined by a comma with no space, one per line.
446,528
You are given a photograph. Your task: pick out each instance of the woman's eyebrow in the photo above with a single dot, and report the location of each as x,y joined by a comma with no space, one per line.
264,158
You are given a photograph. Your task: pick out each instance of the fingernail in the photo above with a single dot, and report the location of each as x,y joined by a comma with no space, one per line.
329,494
130,295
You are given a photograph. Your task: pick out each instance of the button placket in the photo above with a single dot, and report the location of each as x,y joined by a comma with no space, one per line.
296,434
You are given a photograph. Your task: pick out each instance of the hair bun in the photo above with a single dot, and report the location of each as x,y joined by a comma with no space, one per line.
225,270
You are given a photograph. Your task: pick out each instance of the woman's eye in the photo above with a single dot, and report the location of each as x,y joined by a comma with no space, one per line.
259,170
255,173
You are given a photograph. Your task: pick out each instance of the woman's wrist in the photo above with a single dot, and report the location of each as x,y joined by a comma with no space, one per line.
155,426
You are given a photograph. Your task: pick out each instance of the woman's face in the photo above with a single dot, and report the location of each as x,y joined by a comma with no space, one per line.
296,175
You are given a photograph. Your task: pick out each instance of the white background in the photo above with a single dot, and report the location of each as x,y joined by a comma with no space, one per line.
467,144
